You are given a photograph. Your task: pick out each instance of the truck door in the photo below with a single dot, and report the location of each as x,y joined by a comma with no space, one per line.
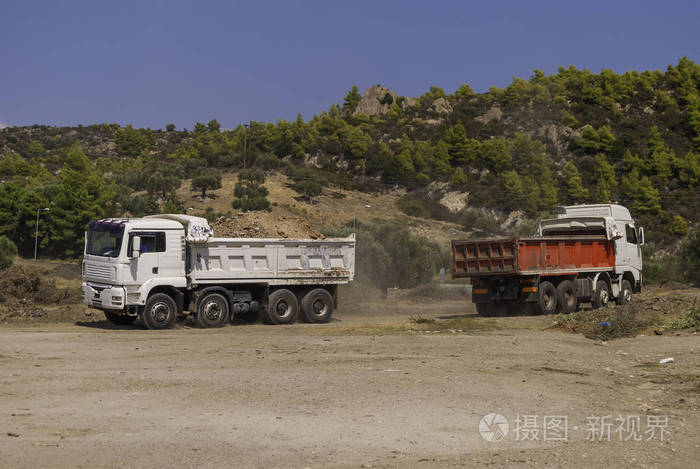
147,264
634,250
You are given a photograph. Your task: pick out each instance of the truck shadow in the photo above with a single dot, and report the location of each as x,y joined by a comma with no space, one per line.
105,324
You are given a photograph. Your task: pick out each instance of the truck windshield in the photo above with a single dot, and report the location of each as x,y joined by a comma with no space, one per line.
104,238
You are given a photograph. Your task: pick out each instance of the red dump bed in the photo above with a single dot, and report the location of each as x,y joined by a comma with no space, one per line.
532,256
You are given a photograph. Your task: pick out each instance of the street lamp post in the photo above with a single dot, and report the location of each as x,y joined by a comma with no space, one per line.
36,230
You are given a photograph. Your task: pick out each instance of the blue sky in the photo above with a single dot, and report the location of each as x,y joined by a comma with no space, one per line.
152,63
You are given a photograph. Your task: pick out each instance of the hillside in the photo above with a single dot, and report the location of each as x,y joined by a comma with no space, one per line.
499,159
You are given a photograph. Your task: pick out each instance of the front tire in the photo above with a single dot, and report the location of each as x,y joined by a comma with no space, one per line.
120,319
282,307
317,306
212,311
601,296
625,293
159,312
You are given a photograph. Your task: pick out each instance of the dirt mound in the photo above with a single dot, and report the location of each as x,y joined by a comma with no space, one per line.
22,292
264,225
650,311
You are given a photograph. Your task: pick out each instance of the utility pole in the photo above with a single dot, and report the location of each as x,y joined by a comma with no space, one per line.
36,229
245,141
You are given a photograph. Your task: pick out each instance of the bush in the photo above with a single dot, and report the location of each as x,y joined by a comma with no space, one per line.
8,251
689,255
690,318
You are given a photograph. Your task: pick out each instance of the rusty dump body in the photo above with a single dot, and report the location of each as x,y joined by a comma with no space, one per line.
558,255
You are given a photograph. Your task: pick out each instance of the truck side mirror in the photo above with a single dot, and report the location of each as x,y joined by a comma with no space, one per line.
641,236
136,246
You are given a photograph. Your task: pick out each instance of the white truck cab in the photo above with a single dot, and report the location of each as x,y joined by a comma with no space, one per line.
161,266
611,220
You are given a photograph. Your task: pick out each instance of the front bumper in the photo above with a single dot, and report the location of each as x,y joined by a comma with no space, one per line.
103,296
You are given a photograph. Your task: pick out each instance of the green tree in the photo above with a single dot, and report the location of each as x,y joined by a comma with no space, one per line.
351,100
250,192
170,128
576,193
163,181
678,226
464,92
132,142
80,196
641,193
458,177
605,180
206,179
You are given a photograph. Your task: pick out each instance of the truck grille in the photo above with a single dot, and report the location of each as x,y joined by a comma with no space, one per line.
98,272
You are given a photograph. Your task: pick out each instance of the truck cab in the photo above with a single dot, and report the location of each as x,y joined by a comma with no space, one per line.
125,258
609,220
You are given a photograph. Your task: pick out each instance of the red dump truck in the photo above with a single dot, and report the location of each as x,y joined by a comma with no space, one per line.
589,253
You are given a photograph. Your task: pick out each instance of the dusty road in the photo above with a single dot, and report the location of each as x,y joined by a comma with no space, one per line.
335,395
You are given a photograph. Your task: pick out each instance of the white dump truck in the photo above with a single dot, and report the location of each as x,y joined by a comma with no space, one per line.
163,266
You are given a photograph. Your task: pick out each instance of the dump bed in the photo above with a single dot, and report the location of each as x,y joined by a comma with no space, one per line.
532,256
272,261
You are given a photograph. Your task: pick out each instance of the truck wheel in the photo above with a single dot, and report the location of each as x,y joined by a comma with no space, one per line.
547,298
120,319
485,309
282,307
317,305
159,312
566,297
212,311
625,293
601,296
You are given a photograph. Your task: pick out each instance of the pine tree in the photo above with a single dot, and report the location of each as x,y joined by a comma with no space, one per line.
351,100
575,191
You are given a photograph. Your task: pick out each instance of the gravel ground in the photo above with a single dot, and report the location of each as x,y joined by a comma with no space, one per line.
363,391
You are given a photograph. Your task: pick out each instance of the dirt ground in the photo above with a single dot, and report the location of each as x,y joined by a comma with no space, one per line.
376,387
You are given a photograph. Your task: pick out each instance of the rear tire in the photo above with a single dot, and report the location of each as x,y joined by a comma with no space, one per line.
547,298
625,293
317,306
282,307
601,296
212,311
566,297
120,319
159,312
485,310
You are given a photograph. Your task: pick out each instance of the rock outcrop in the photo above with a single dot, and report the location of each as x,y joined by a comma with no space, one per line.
376,101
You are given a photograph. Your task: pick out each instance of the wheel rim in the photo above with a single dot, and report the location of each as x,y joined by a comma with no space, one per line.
604,297
548,300
569,299
283,309
213,311
319,307
160,312
627,295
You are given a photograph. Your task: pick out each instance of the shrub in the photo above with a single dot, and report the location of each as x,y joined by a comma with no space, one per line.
690,318
8,251
689,255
